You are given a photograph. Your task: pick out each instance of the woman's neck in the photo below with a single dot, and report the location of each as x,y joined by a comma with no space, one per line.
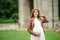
35,17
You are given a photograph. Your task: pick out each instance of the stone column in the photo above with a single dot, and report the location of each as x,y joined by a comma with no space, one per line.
38,4
50,10
24,12
47,11
45,6
55,4
50,14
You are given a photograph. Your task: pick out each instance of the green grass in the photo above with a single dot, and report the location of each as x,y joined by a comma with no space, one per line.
14,35
24,35
51,35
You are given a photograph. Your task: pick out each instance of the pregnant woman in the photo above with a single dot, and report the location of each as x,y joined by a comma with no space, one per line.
35,27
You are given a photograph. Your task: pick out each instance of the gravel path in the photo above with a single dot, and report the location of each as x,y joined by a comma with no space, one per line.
8,26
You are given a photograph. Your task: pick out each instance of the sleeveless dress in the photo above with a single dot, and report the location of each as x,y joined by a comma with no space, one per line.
38,29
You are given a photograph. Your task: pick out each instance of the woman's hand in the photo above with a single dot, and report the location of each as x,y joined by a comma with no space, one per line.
44,20
33,33
37,34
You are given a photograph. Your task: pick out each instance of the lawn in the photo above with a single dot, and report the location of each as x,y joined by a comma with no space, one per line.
24,35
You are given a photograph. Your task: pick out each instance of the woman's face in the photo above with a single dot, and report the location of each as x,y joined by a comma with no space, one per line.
35,13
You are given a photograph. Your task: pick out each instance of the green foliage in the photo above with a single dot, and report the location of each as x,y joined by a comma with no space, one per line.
14,16
8,7
59,9
6,21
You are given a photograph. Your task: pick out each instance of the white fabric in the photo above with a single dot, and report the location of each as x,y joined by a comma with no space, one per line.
38,29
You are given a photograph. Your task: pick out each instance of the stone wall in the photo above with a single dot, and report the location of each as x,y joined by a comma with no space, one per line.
24,12
48,8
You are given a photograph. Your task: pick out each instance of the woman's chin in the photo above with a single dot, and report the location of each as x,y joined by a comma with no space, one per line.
35,16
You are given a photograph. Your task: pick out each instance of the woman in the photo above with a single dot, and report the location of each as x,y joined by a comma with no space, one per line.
36,25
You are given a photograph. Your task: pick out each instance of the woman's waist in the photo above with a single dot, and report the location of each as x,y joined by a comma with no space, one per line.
37,28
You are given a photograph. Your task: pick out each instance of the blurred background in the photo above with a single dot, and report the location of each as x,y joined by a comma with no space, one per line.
15,14
8,11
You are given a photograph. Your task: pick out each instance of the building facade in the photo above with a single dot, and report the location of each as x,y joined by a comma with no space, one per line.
49,9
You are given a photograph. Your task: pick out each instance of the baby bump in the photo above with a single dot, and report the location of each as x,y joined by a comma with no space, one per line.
37,30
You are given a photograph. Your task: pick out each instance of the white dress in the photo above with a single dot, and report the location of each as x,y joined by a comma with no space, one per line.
38,29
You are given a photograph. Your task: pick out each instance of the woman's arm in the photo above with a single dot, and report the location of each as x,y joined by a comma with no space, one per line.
44,20
33,33
30,28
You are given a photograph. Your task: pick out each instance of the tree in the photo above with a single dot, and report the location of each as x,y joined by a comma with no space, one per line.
8,7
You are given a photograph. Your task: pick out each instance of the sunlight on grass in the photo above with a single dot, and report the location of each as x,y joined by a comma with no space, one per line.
24,35
14,35
51,35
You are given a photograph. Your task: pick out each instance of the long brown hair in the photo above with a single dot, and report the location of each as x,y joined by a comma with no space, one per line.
32,18
38,16
32,13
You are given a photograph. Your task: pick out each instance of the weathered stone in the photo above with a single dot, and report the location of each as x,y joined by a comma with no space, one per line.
49,8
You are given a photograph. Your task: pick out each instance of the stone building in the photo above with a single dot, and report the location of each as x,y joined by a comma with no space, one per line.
49,8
